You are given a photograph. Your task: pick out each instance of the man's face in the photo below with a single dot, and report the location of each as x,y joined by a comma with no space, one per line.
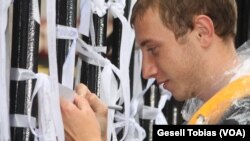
174,64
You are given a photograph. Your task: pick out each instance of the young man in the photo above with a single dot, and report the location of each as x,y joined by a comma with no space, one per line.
188,46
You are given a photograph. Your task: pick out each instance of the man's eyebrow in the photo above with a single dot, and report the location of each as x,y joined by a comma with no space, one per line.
145,42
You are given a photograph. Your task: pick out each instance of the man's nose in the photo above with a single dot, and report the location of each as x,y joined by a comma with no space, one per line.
149,69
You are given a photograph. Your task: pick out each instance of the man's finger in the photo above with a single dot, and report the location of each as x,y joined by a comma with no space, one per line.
96,104
67,106
82,90
81,103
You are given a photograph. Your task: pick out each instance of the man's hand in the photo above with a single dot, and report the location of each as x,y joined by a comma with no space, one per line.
86,118
100,108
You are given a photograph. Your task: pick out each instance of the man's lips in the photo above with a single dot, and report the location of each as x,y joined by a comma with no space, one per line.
162,82
165,84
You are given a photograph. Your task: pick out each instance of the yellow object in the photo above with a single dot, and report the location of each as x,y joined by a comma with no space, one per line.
213,110
43,69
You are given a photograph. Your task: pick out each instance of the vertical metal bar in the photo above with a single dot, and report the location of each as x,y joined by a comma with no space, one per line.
86,69
151,99
172,112
90,75
131,70
116,35
65,15
116,46
116,43
25,44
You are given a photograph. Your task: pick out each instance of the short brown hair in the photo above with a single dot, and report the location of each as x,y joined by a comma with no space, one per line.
177,15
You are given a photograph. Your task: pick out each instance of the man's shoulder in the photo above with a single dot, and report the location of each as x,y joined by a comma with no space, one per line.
239,112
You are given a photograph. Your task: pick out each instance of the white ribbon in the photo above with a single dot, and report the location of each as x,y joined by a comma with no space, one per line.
45,108
99,7
165,96
137,88
78,71
4,116
36,13
136,132
87,53
137,84
87,7
108,83
127,40
51,28
156,114
160,118
17,120
146,112
136,99
85,16
64,32
117,8
46,124
110,92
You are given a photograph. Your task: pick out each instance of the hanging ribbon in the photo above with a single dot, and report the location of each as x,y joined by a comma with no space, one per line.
110,92
45,108
46,124
137,88
151,113
136,132
78,71
137,84
87,7
51,28
36,13
99,7
165,96
4,116
127,40
85,16
64,32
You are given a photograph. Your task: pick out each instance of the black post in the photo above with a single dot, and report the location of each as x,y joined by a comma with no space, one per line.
151,99
172,112
90,74
116,39
25,44
65,15
116,42
115,47
243,26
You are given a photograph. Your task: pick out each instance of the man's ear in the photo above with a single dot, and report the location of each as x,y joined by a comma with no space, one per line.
204,27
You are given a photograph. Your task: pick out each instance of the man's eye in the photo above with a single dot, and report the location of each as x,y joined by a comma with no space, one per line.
151,49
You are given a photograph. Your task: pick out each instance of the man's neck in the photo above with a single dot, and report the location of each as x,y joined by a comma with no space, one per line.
220,73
